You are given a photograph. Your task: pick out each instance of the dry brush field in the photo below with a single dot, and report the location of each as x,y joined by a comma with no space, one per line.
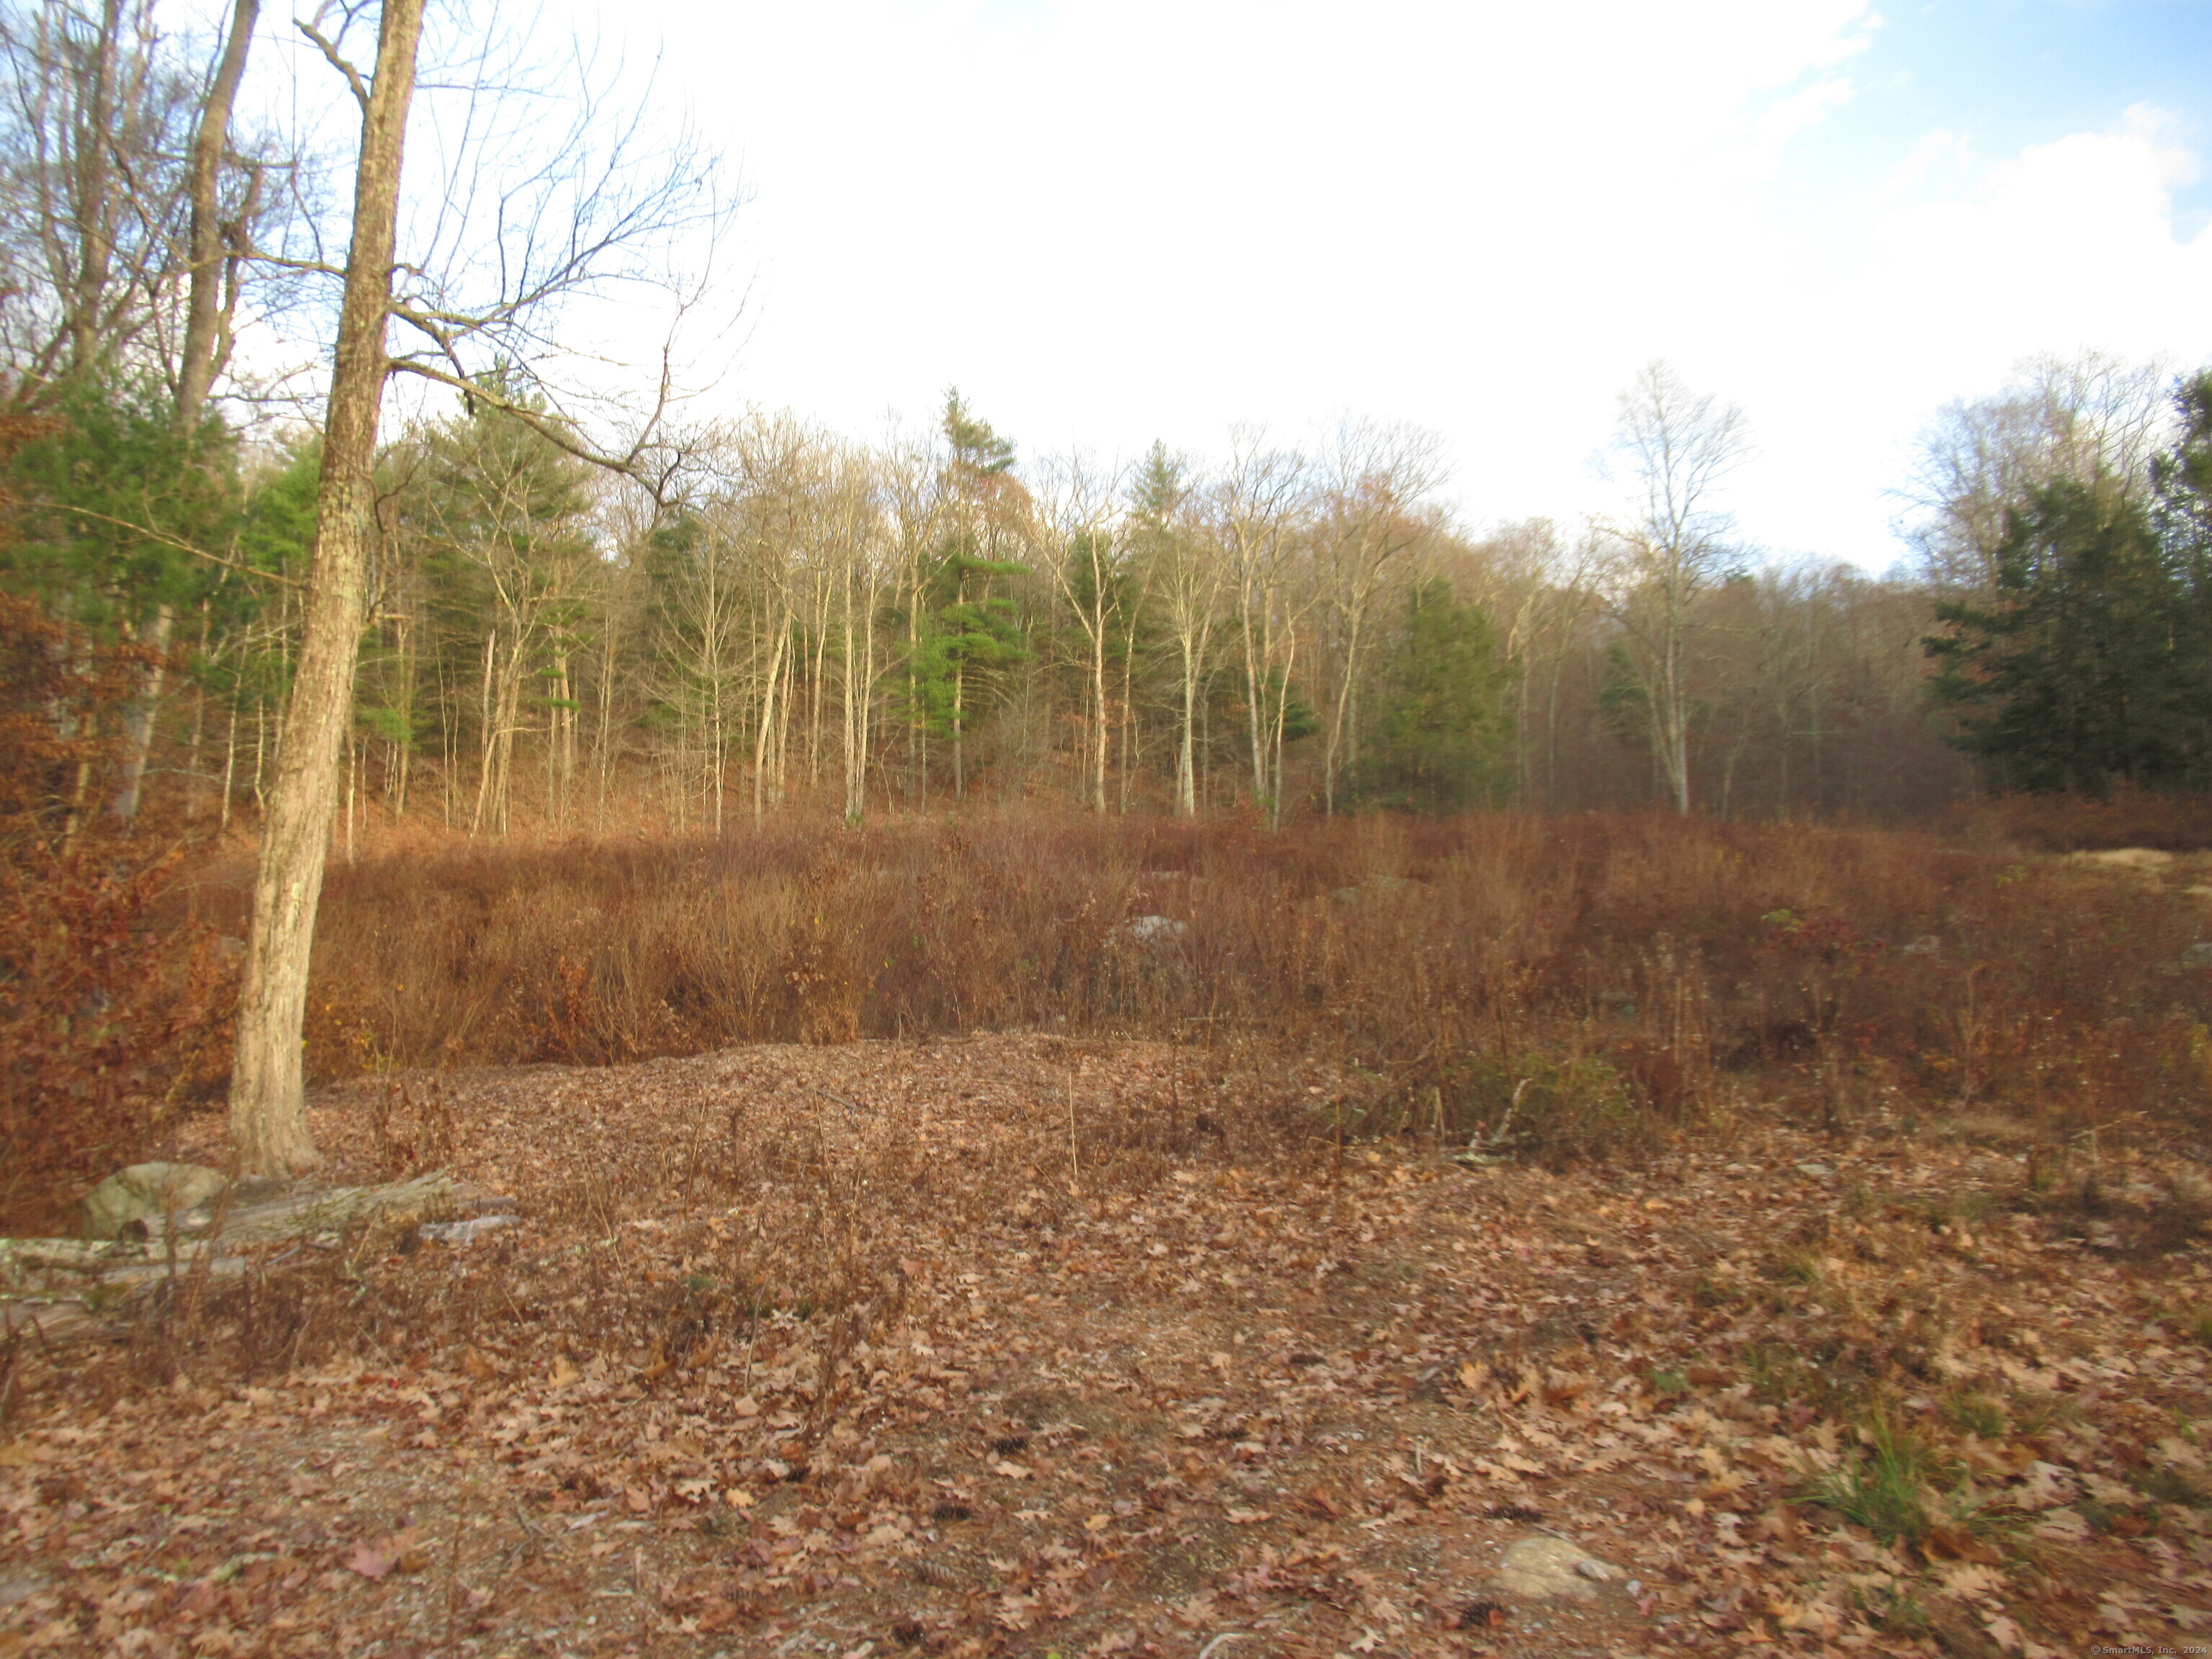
1805,1224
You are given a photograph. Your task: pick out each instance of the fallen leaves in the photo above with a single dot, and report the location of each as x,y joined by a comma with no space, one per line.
1288,1386
401,1553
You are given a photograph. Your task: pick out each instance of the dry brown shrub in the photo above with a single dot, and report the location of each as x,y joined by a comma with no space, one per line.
109,1007
1619,975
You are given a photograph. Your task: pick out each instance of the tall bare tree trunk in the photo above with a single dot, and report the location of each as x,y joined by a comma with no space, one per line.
206,325
489,746
765,734
267,1106
204,347
1186,771
95,217
138,721
1101,737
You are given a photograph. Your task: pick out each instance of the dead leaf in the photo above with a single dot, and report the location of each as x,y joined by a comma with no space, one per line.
370,1562
1960,1547
1971,1581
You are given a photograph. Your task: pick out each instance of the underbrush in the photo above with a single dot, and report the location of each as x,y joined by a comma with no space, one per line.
2069,824
1549,987
113,1010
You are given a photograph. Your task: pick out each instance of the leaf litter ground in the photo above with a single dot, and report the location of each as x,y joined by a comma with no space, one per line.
1021,1345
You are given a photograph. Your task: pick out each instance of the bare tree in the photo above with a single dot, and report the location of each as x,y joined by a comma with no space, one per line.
1257,507
1183,565
1678,446
268,1108
1377,478
591,212
1539,589
859,543
216,242
94,121
1078,509
2088,419
213,254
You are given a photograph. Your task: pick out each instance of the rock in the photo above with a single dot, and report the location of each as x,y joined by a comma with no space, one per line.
457,1233
146,1190
1541,1567
1815,1169
1926,946
2198,955
1149,934
75,1288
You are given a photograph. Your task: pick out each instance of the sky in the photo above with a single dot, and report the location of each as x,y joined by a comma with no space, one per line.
1108,223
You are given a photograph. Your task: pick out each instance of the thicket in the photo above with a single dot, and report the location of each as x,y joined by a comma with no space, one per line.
107,1004
1564,987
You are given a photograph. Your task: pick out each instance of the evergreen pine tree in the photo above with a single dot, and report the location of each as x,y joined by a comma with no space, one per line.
2074,675
1443,714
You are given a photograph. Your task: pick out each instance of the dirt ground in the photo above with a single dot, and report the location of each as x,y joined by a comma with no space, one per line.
1020,1346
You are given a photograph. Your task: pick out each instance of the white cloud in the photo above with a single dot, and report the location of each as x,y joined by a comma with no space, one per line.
1113,221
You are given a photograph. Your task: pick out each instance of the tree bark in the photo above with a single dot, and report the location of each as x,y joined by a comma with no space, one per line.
202,354
138,722
198,361
268,1107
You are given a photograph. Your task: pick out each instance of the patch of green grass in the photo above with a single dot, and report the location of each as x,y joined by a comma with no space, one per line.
1711,1293
1885,1488
2170,1485
1799,1268
2031,1414
1977,1414
1780,1375
1893,1605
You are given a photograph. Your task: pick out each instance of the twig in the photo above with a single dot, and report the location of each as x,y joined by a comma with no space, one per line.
453,1576
1074,1165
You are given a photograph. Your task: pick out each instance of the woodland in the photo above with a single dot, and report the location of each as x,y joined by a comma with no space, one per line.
1057,1056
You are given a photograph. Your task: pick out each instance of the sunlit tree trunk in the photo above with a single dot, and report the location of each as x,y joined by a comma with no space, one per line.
268,1108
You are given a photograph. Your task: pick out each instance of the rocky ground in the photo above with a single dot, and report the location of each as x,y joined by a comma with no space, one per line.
1018,1345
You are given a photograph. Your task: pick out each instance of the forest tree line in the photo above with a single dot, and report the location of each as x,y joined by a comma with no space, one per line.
757,612
784,615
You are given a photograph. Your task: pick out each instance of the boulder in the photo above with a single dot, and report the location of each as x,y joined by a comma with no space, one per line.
149,1190
1541,1567
1149,934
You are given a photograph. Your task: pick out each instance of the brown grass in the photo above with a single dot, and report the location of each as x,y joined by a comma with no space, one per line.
2066,824
1567,986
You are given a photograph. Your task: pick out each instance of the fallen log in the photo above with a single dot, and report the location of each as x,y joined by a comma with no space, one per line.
56,1288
